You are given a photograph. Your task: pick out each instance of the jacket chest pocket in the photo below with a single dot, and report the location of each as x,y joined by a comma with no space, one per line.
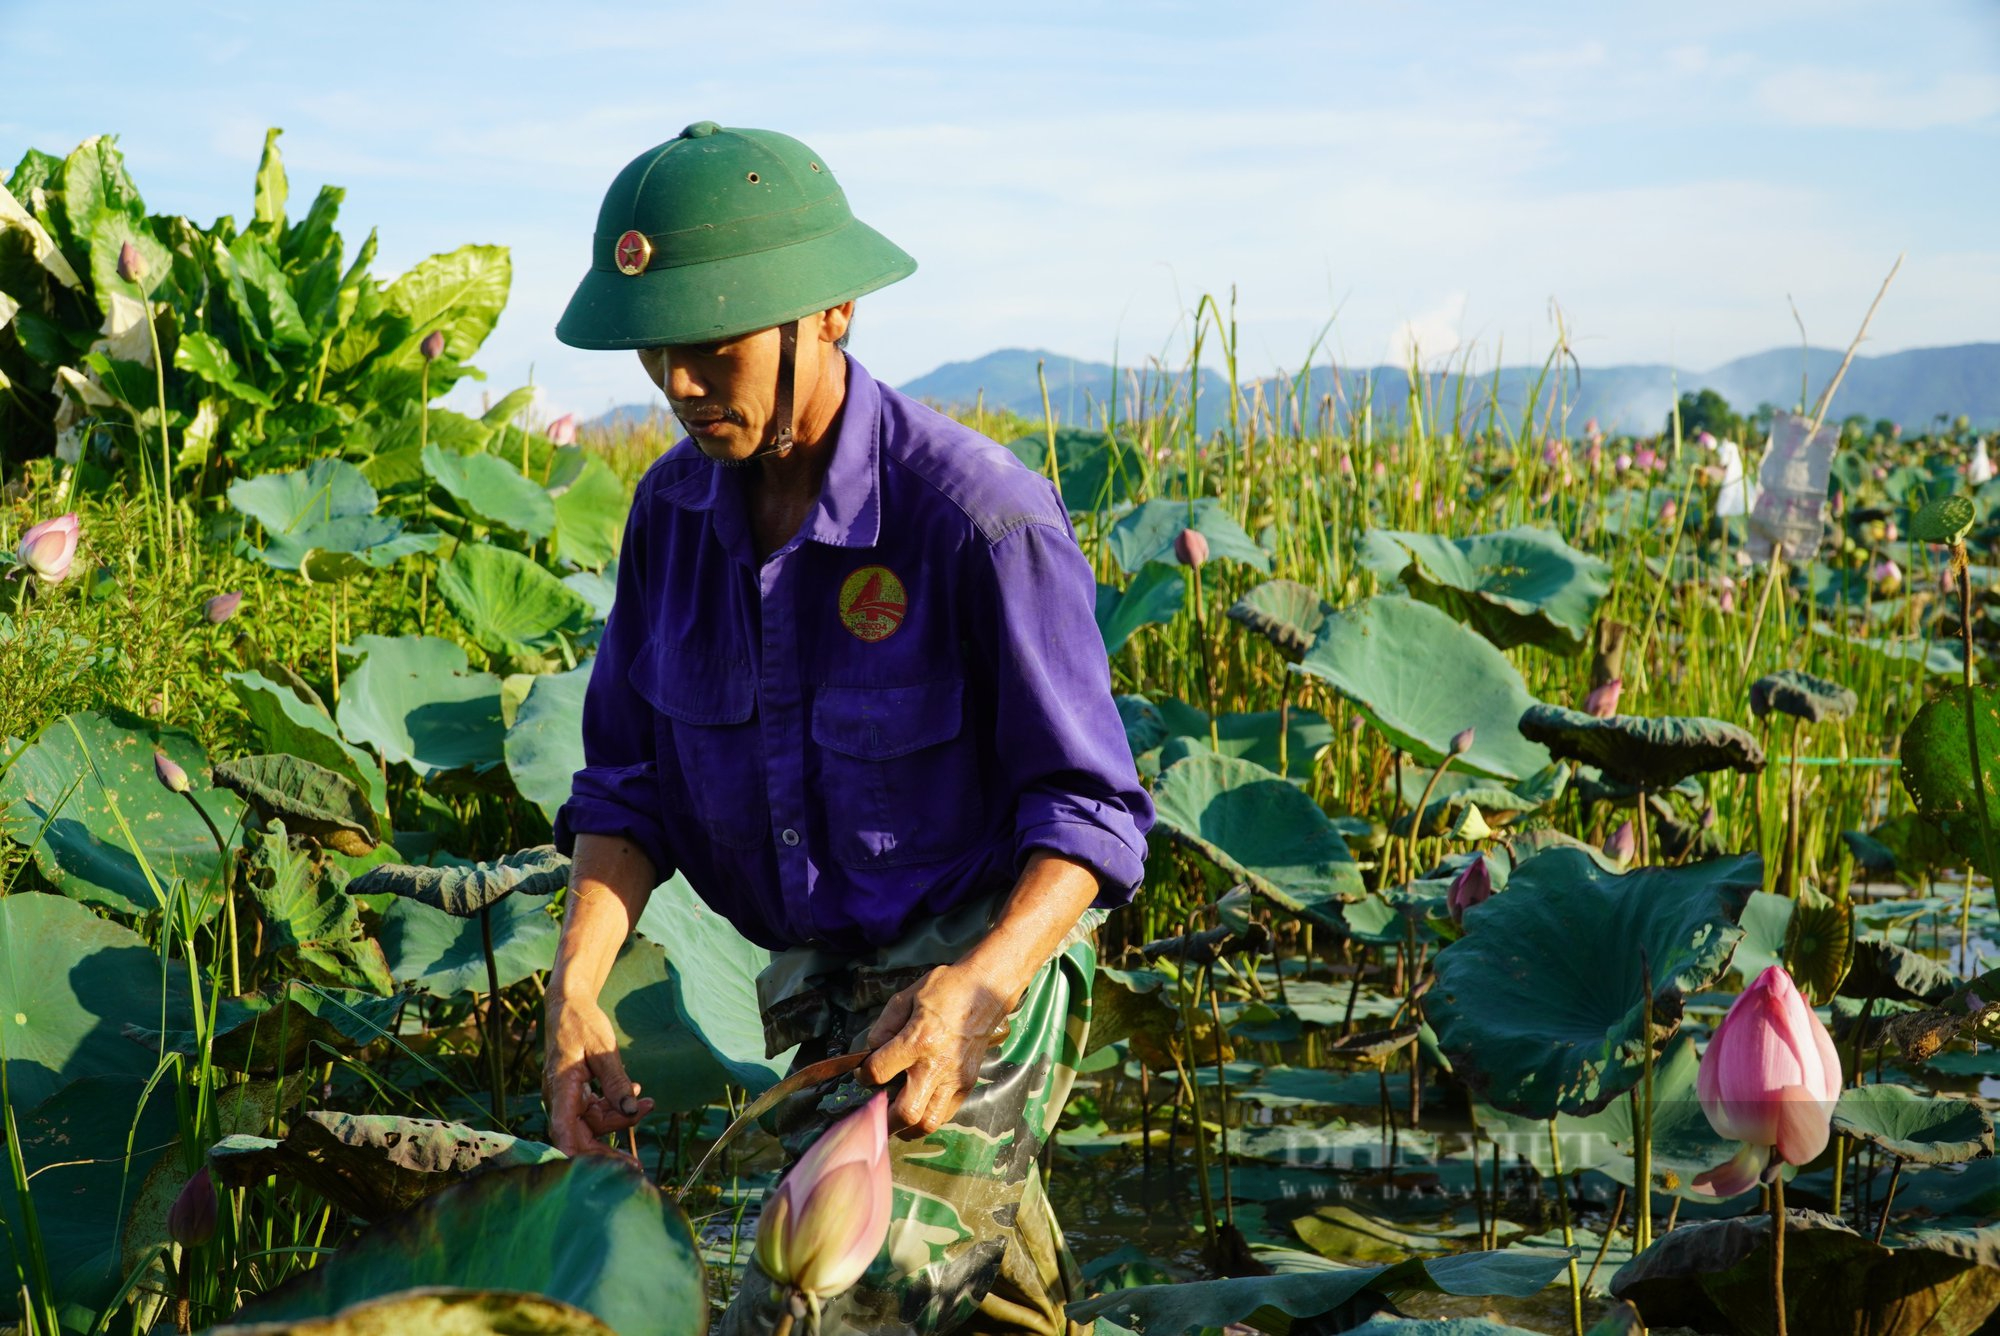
899,773
705,717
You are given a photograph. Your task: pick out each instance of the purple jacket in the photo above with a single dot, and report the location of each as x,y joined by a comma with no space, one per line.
880,721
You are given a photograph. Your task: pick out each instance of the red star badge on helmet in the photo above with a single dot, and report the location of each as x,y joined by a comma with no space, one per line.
633,253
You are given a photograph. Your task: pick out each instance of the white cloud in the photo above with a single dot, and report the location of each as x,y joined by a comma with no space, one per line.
1430,337
1870,100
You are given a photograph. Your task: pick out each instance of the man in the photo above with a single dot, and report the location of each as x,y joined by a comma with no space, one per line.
852,689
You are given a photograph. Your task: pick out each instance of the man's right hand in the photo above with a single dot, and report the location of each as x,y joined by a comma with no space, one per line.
582,1048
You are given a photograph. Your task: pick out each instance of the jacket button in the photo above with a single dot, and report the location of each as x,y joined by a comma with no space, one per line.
788,835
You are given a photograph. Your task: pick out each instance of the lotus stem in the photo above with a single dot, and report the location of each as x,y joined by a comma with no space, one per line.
1604,1244
1839,1171
1221,1094
1642,1127
1778,1252
1792,816
494,1017
1569,1233
1757,622
228,893
1479,1192
1194,1101
1889,1201
1417,817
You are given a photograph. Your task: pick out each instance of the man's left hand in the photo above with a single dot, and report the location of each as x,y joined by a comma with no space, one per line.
938,1030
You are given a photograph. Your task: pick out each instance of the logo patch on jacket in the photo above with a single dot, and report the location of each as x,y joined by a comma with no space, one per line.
872,603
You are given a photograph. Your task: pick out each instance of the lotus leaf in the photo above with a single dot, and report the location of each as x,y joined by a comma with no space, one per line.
1945,520
444,955
544,746
321,492
1538,1026
1317,1087
492,490
1522,586
1250,737
1147,533
306,797
291,719
438,1311
591,1232
1145,724
321,521
371,1165
509,604
597,588
307,918
263,1033
1499,805
1801,695
80,1197
413,700
1259,827
1820,943
1421,678
1715,1275
1767,921
1284,612
1344,1234
465,889
69,981
1091,466
713,981
1651,753
1882,969
660,1050
1914,1125
1945,658
1938,768
591,505
1163,1309
1125,1002
1154,598
85,798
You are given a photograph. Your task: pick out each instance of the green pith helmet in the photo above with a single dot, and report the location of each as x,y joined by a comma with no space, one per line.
720,232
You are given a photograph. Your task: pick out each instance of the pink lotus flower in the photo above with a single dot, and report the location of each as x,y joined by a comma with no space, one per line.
1622,844
1644,458
1705,439
1191,547
1769,1079
1474,886
1886,574
1890,533
1623,462
1602,702
1591,432
49,548
1669,510
563,430
1593,455
1552,452
828,1217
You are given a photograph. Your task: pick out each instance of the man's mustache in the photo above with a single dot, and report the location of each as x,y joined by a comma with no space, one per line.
705,414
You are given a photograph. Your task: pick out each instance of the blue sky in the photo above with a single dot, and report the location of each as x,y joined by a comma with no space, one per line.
1073,176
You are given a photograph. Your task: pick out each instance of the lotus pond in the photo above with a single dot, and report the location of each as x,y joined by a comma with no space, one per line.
1491,765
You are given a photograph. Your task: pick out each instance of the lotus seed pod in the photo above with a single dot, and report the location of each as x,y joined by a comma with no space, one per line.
433,345
1191,547
171,775
191,1220
222,607
131,264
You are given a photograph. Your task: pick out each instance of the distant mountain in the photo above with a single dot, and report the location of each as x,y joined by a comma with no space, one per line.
1908,387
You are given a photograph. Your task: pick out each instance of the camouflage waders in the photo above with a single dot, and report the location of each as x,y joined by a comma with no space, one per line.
973,1246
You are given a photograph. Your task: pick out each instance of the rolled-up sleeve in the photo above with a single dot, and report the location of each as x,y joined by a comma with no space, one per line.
1061,745
618,790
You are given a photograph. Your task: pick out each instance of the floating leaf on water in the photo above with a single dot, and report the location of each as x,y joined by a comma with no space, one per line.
1521,586
1284,612
1652,753
1538,1004
466,889
1914,1125
306,797
1421,678
1258,827
1802,696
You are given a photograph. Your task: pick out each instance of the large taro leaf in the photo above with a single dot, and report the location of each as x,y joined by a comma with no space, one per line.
69,982
1539,1005
85,797
1715,1275
544,746
492,490
1802,696
307,797
413,700
466,888
590,1232
1522,586
712,982
591,504
1153,598
1652,753
1914,1125
264,1033
1147,533
307,918
287,721
1284,612
438,1310
372,1165
1167,1310
1258,827
1095,472
1937,767
1421,678
74,1145
443,955
509,604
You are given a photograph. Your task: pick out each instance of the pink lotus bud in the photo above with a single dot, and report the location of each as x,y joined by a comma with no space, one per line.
827,1219
1346,465
563,430
49,548
1461,741
1380,470
1890,533
1947,583
1474,886
1591,432
1623,462
191,1219
1602,702
1725,603
1552,452
433,345
131,264
1887,575
1669,510
1644,458
1622,844
223,606
1417,490
1768,1079
1593,455
1191,547
171,776
1705,440
1838,505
